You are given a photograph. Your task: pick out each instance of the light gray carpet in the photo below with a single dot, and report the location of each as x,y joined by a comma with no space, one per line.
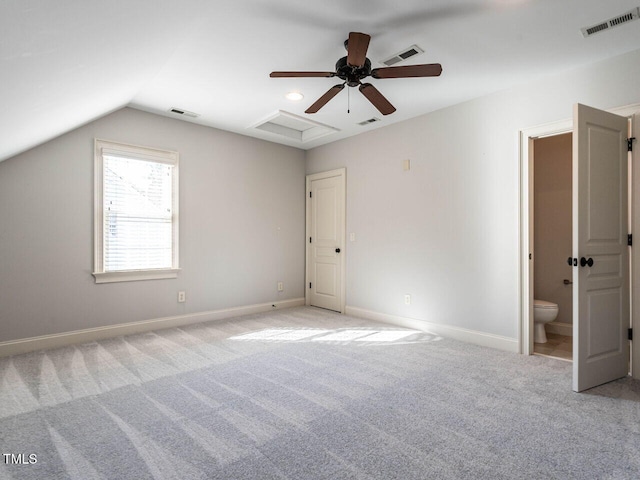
307,394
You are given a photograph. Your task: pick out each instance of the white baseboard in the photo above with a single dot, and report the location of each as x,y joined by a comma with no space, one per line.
24,345
559,328
457,333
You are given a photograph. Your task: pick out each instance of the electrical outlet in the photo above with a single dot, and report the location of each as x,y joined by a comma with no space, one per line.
182,297
280,287
407,299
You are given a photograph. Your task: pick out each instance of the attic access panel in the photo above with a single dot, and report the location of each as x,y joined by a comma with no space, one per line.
288,125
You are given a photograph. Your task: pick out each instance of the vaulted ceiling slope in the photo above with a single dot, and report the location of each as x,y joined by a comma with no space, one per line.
68,62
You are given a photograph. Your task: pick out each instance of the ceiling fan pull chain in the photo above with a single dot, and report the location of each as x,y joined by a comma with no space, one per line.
348,100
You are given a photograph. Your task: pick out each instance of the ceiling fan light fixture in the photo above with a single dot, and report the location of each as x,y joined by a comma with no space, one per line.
294,96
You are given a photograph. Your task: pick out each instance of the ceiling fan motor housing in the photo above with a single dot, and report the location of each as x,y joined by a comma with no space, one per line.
350,74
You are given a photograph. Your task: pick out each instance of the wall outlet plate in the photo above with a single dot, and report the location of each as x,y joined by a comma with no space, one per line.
182,297
407,299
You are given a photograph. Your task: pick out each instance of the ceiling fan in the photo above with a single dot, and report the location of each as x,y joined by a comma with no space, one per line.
355,67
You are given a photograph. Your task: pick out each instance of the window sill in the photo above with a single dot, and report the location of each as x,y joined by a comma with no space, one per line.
135,275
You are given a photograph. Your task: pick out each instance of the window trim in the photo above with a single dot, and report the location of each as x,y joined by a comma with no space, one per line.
102,147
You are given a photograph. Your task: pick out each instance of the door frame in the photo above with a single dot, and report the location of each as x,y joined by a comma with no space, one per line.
526,155
339,172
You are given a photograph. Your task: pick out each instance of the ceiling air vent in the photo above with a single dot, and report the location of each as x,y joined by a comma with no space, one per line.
291,126
367,122
179,111
412,51
613,22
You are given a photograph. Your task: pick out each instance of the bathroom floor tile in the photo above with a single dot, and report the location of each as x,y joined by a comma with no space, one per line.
559,346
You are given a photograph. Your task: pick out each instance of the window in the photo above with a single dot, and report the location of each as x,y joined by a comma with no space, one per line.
136,213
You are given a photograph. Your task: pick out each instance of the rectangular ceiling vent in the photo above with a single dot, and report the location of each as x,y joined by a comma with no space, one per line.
179,111
296,128
367,122
409,52
611,23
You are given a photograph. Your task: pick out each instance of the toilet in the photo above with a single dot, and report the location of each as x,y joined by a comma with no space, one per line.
543,312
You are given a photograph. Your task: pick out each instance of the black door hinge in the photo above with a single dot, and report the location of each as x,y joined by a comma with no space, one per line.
309,284
630,334
309,239
630,144
310,195
629,239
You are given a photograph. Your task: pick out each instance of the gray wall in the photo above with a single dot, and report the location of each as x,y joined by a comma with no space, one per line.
447,231
241,228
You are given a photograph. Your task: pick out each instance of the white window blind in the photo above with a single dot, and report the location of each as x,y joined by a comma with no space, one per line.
137,214
136,221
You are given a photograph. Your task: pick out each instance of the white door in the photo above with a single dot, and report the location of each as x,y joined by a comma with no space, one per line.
600,228
325,237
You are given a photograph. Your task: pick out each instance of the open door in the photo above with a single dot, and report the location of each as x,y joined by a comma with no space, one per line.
600,251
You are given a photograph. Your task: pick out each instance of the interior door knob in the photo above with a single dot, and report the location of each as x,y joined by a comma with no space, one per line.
584,261
337,250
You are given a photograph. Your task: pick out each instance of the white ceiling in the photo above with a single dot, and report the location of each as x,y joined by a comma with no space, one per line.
68,62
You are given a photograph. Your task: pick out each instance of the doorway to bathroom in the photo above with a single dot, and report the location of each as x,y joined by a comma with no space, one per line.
552,276
600,308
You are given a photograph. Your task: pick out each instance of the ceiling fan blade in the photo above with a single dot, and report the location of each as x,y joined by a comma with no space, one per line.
301,74
324,99
357,46
377,99
426,70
